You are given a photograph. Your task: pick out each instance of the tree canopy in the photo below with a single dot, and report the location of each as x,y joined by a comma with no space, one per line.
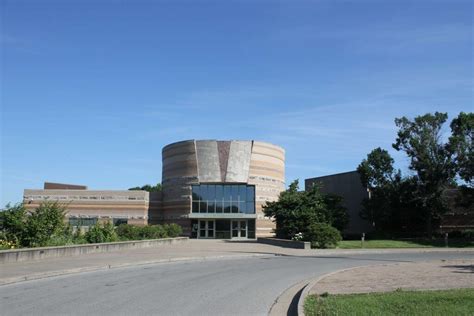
436,163
148,187
296,210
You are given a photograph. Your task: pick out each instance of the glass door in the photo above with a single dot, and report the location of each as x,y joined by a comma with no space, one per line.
206,228
239,228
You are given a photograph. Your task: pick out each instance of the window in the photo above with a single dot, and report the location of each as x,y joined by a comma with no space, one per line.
120,221
223,198
82,221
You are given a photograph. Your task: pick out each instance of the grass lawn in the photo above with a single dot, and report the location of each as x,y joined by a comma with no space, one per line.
416,243
446,302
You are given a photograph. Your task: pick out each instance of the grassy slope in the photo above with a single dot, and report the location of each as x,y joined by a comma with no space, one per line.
351,244
446,302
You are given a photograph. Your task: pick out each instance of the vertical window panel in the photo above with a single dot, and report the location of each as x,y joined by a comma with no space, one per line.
195,207
211,192
219,192
242,192
235,192
226,206
250,193
227,193
204,196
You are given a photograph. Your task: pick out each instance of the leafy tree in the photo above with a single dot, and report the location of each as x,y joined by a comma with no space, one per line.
336,213
462,145
377,170
101,233
295,211
430,158
12,222
45,223
149,188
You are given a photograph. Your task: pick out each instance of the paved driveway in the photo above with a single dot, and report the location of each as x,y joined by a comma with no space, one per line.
235,286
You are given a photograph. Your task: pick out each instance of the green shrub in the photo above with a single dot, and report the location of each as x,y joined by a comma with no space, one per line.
173,230
468,234
132,232
101,233
12,224
322,235
46,222
128,232
152,232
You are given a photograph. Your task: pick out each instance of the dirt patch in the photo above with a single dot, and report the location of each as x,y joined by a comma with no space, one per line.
440,274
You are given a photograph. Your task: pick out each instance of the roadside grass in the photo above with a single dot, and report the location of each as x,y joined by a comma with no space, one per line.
444,302
415,243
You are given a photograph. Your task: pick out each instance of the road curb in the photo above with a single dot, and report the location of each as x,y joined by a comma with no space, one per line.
321,252
282,305
50,274
313,282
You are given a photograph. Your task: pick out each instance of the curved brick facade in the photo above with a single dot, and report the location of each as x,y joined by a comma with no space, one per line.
193,162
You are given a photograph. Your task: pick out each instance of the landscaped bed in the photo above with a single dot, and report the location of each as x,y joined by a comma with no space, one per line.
415,243
444,302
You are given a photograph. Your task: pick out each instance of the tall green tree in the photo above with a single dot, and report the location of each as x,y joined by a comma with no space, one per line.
462,146
44,223
296,210
384,184
430,158
12,222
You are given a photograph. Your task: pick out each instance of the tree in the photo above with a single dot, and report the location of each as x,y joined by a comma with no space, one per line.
377,170
296,210
12,222
44,223
378,175
149,188
461,142
430,158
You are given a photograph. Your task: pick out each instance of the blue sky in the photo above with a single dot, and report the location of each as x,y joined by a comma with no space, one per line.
92,90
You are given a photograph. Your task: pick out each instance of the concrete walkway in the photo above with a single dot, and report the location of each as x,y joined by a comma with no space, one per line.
440,274
191,250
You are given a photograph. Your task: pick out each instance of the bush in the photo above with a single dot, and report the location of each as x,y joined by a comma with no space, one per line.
173,230
128,232
44,224
152,232
101,233
12,224
322,235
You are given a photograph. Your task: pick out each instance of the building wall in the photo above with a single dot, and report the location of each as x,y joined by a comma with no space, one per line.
348,186
132,205
210,161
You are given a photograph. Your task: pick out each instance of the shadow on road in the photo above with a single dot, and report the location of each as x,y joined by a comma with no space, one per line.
461,268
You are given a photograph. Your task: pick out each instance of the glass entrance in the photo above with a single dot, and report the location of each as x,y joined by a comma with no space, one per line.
206,228
239,228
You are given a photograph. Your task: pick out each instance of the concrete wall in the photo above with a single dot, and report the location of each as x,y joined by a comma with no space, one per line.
285,243
210,161
348,186
31,254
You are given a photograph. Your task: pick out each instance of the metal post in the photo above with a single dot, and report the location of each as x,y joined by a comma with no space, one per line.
446,240
362,239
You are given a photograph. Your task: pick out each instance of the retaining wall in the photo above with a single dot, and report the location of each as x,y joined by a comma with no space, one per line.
30,254
285,243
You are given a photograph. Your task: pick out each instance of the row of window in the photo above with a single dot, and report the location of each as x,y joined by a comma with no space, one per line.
76,222
225,192
223,198
224,207
67,197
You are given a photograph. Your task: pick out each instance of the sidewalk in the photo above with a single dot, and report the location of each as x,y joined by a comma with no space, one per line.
191,250
432,275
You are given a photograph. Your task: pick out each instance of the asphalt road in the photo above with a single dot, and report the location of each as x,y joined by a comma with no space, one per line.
245,286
